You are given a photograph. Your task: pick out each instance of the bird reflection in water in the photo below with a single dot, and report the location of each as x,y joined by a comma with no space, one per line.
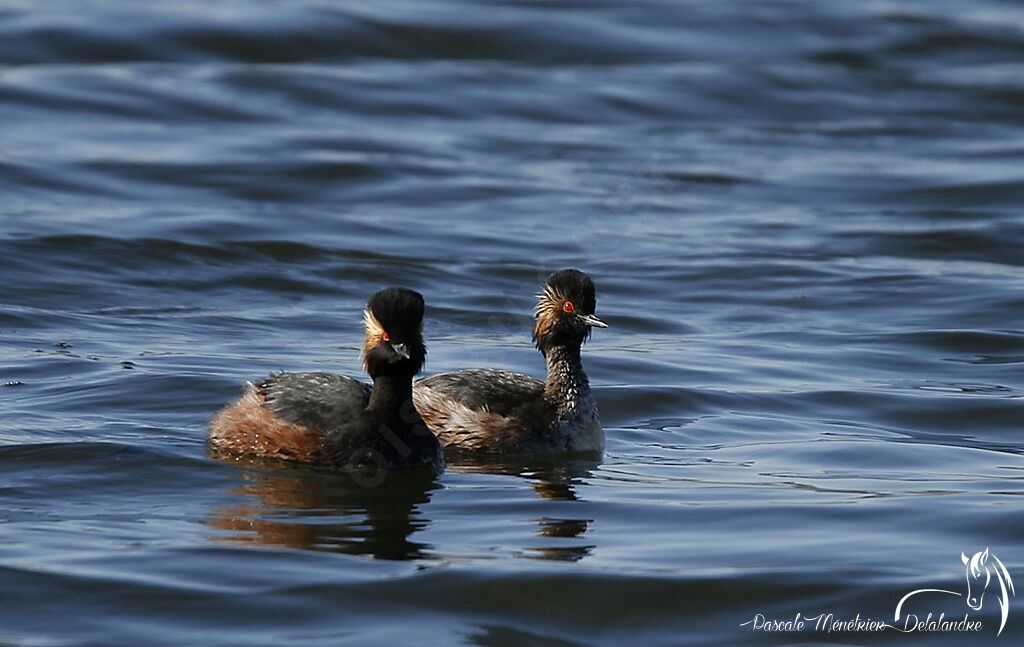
554,478
318,509
315,509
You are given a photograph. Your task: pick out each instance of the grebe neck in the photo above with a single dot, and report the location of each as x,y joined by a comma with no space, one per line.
567,384
390,393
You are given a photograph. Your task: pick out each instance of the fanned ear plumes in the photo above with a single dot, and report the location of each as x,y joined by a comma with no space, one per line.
375,334
547,312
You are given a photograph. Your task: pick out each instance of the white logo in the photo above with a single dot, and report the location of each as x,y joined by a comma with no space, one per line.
984,572
981,568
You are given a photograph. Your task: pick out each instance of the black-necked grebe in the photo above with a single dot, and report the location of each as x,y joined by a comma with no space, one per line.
330,419
497,411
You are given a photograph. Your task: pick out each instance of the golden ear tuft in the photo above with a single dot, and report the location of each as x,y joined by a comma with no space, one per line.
550,304
373,327
375,333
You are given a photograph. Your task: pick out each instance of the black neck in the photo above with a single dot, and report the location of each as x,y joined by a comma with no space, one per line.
391,393
566,379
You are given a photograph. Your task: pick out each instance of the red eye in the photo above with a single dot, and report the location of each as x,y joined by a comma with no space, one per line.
387,337
568,307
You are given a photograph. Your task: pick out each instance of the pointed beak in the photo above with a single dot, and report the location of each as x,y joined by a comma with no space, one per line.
401,349
592,320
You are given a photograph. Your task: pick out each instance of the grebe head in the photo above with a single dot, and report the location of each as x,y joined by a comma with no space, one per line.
394,333
564,315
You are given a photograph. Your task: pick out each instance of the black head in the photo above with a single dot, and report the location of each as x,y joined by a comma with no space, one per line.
565,310
394,333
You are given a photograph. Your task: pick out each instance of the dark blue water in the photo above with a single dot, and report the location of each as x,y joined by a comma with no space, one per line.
804,220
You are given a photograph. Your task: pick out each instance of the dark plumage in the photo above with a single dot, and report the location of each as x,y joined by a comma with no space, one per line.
490,410
330,419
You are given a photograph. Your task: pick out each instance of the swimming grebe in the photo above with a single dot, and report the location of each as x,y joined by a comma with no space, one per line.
330,419
497,411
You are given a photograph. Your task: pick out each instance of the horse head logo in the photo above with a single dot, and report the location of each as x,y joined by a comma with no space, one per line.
977,566
982,568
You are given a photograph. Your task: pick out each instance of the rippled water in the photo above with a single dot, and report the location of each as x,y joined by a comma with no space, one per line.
803,219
